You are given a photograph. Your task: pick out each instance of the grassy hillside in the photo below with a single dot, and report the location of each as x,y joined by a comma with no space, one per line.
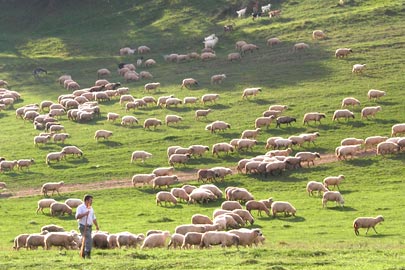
80,37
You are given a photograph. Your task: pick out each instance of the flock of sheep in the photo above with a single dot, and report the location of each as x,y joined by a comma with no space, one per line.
82,105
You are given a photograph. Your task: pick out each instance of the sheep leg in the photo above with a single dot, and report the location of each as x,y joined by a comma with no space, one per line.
374,230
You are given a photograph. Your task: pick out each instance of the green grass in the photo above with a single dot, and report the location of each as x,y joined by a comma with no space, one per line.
65,39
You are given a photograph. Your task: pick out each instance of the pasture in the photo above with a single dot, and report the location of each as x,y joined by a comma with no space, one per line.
65,39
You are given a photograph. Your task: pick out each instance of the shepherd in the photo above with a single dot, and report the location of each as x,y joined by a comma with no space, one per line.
86,218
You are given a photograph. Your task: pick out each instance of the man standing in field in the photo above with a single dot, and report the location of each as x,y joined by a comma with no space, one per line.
86,218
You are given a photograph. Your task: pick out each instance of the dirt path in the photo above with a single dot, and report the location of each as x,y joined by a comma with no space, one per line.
122,183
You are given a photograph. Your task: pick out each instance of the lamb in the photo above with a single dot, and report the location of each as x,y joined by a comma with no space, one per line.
308,157
300,47
73,203
343,52
351,141
350,101
21,163
166,180
142,178
313,116
397,129
315,186
179,158
128,120
318,34
191,239
217,79
200,219
155,240
163,171
280,206
384,148
209,98
234,56
333,181
151,122
332,196
60,137
222,147
199,150
347,150
52,186
142,155
61,208
61,239
375,94
44,203
257,205
101,133
273,41
165,196
180,194
366,222
342,114
285,120
250,134
231,205
241,13
251,92
225,239
72,150
188,82
358,68
373,141
20,241
370,111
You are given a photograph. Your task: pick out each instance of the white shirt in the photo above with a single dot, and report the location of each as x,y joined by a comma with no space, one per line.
83,209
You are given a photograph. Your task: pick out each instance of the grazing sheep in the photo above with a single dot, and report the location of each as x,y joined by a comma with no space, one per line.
347,150
332,196
188,82
333,181
375,94
225,239
257,205
72,150
251,92
366,222
101,133
276,165
373,141
200,219
358,68
51,186
370,111
20,241
160,181
151,122
198,149
234,56
53,156
315,186
343,52
350,101
217,79
384,148
176,240
209,98
151,86
129,120
142,179
179,158
163,171
103,73
249,48
318,34
143,49
221,172
283,207
191,239
308,157
247,236
264,121
35,240
397,129
313,116
61,208
222,147
149,62
273,41
285,120
300,47
44,203
206,175
73,203
142,155
67,240
180,194
342,114
351,141
127,51
165,196
155,240
173,101
200,195
231,205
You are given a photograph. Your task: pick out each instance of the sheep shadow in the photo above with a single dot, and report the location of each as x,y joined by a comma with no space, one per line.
171,206
341,209
110,143
294,219
76,160
359,162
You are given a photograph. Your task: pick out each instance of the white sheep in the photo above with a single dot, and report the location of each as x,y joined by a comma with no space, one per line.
155,240
373,141
257,205
231,205
127,51
350,101
190,100
217,79
67,240
246,143
191,239
366,222
73,203
217,125
351,141
273,166
332,196
176,240
173,101
249,48
273,41
241,13
313,116
221,172
21,163
358,68
266,8
250,134
264,121
202,113
225,239
143,49
180,194
270,142
375,94
165,196
333,181
384,148
52,186
247,236
251,92
310,137
210,43
44,203
209,98
397,129
151,122
347,150
142,155
149,62
60,137
142,178
300,47
370,111
61,208
285,152
103,72
200,219
72,150
283,207
285,143
101,133
308,157
188,82
163,171
342,52
200,195
151,86
318,34
222,147
234,56
342,114
129,120
179,158
20,241
54,156
315,186
35,240
199,150
167,180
